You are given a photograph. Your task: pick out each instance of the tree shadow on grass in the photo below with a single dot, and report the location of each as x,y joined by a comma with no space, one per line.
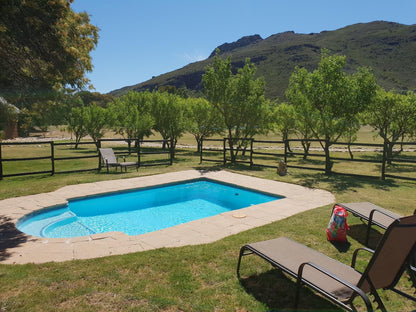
277,291
341,183
10,237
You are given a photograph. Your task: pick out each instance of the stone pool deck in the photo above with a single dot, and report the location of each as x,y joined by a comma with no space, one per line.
19,248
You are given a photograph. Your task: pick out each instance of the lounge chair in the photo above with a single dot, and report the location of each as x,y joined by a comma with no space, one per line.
110,160
338,282
372,214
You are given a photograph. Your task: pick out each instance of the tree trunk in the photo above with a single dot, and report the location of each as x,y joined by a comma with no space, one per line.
198,148
232,150
328,162
306,145
390,146
350,151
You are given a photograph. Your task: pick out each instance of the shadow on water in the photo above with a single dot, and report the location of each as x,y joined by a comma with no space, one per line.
10,237
277,291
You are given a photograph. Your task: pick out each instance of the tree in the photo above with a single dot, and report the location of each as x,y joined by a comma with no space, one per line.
285,122
412,101
95,97
95,119
53,111
44,47
131,115
333,96
239,99
169,113
392,115
76,123
204,120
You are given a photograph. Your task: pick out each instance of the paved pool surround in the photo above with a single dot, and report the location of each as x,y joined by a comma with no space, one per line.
19,248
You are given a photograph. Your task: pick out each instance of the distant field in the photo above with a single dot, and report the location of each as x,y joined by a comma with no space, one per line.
365,135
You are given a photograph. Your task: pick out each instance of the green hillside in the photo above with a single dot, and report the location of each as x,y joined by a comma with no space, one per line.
388,48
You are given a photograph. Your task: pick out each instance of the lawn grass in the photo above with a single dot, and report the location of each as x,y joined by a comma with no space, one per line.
203,277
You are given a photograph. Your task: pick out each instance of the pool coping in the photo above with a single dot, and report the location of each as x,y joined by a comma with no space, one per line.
19,248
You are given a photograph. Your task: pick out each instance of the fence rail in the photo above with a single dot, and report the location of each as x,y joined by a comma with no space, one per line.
255,154
288,155
52,158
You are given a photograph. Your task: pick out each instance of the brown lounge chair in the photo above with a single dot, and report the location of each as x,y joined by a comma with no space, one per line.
372,214
110,160
338,282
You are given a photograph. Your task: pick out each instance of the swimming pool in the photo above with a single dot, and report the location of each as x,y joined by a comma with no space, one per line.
142,210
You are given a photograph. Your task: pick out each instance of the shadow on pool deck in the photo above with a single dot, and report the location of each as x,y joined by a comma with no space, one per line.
10,237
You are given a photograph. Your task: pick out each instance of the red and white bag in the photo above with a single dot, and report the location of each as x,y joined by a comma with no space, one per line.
337,226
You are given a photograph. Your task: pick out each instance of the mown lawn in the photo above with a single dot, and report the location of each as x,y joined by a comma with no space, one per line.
197,278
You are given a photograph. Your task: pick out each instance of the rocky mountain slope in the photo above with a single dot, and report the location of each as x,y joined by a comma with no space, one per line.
388,48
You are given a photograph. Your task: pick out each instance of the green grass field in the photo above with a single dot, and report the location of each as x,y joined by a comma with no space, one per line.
203,277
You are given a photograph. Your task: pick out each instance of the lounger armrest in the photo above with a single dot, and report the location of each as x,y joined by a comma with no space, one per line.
123,156
354,288
370,219
355,254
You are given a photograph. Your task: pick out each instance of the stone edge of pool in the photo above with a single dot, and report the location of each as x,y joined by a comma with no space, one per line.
20,248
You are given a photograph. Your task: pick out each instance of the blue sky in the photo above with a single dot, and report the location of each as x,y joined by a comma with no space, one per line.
144,38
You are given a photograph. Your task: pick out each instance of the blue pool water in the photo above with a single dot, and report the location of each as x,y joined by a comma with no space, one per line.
141,211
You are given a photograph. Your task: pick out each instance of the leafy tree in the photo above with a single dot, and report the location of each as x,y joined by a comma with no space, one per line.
131,115
285,121
204,120
169,113
95,119
41,114
44,47
89,98
412,101
333,96
182,92
240,101
76,123
53,111
350,134
392,115
305,118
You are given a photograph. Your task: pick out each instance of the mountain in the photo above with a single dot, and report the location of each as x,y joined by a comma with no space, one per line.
388,48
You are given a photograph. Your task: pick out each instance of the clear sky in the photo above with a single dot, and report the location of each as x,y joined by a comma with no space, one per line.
144,38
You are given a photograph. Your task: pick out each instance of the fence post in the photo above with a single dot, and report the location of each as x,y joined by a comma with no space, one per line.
99,154
171,152
251,152
286,144
138,153
1,164
200,150
53,157
224,150
383,163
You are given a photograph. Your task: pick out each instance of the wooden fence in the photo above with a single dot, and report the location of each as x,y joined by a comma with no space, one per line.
51,157
260,153
256,153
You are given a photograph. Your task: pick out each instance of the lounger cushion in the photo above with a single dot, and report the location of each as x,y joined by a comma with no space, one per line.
128,163
363,209
297,254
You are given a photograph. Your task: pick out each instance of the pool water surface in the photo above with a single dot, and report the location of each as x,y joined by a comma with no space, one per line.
142,210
